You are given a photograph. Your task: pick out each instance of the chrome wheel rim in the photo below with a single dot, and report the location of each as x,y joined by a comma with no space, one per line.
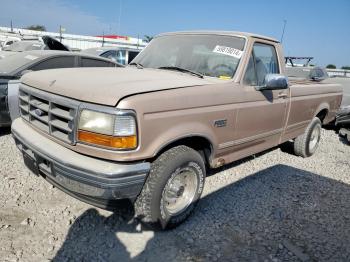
315,137
180,191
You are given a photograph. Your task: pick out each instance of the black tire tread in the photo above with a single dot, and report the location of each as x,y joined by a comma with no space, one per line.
301,142
143,202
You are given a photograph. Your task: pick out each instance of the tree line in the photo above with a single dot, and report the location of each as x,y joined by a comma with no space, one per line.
332,66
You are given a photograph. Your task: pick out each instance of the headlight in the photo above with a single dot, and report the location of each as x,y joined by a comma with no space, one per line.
117,131
96,122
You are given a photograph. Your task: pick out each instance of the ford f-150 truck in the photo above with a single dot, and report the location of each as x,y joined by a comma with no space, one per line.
149,132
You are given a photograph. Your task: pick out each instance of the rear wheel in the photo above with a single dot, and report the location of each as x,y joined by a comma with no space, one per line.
306,144
172,189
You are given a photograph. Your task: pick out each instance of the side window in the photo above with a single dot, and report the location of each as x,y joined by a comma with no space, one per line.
132,55
121,57
106,54
250,76
110,55
90,62
56,62
263,61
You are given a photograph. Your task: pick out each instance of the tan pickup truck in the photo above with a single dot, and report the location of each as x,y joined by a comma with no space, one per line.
149,132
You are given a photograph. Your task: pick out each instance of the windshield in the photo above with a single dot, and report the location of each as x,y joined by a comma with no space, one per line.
209,55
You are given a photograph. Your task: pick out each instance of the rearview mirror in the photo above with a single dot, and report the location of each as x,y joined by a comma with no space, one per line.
274,82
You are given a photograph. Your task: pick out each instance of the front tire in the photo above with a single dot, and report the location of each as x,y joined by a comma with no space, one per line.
172,189
306,144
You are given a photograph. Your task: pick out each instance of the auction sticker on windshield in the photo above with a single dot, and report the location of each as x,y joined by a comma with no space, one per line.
225,50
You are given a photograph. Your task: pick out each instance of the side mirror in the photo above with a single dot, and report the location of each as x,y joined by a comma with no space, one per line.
274,82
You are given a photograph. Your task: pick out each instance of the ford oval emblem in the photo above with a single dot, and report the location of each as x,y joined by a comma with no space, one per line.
39,112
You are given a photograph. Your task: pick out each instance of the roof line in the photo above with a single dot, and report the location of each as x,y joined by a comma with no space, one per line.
227,33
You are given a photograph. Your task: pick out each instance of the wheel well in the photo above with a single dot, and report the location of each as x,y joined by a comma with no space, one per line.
198,143
322,114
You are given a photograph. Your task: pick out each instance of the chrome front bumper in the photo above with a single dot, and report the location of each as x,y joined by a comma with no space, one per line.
98,182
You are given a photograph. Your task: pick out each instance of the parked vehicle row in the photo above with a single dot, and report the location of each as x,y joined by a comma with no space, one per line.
313,73
150,131
6,40
318,74
121,55
28,55
14,67
40,43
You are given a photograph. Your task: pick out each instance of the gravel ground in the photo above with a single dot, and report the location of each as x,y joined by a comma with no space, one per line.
272,207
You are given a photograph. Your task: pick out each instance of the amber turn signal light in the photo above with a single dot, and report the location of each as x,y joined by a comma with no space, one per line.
116,142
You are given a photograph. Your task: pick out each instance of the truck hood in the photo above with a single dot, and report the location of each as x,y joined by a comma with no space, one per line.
108,86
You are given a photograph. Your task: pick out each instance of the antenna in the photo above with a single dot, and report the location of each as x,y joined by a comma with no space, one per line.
284,27
120,14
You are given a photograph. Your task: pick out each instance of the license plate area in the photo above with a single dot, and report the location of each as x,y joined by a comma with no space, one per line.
31,163
35,163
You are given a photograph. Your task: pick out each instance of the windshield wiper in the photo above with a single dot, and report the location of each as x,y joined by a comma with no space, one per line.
138,65
184,70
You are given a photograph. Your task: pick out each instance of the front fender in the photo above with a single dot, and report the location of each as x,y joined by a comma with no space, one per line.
185,130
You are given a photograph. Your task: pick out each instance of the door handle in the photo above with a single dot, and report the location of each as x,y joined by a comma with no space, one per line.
282,95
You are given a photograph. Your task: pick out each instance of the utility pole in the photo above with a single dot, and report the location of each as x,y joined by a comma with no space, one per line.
62,29
284,27
138,41
11,27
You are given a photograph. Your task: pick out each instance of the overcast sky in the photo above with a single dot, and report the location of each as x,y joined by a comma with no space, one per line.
316,28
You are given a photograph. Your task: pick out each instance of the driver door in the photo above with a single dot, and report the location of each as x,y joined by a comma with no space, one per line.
261,117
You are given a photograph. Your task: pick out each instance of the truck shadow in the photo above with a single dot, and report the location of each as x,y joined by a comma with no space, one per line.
5,131
280,212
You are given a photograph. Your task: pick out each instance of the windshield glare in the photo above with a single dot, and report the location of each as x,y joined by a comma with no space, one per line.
209,55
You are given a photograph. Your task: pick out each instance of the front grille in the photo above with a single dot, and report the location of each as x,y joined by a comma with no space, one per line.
52,114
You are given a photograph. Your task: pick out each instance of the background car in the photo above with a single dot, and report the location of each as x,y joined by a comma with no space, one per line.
6,40
343,122
309,73
13,67
120,55
40,43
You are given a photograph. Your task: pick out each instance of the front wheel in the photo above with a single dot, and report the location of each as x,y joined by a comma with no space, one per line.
172,189
306,144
